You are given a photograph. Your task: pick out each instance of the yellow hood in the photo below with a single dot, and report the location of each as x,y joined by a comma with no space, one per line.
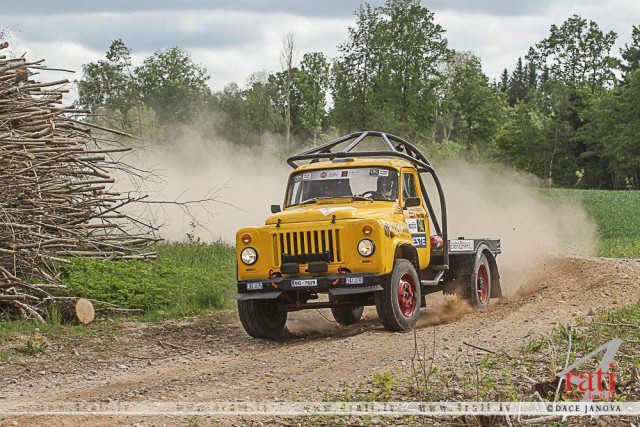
327,211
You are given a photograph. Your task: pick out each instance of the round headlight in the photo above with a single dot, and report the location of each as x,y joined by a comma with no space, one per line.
249,256
366,247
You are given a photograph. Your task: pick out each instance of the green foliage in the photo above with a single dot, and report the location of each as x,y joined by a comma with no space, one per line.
577,53
173,85
616,216
187,278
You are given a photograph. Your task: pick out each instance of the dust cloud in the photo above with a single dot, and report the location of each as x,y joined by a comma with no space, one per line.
534,228
241,182
482,201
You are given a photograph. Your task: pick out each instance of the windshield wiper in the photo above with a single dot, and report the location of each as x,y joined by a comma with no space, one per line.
314,200
362,198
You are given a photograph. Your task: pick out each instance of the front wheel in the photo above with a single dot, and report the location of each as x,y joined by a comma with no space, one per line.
261,318
346,316
398,304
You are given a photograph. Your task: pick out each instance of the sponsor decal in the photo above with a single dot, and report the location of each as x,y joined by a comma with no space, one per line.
323,174
419,240
416,225
383,172
374,172
306,176
297,178
344,174
461,245
327,211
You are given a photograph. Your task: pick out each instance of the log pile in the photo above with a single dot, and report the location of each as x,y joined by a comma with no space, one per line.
56,195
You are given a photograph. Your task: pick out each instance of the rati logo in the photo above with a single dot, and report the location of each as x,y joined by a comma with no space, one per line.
593,385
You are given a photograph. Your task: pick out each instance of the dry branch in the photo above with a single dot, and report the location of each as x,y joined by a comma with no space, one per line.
56,199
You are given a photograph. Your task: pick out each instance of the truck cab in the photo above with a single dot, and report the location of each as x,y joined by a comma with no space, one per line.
357,228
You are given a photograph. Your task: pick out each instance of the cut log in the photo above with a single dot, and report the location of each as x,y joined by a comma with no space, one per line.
77,310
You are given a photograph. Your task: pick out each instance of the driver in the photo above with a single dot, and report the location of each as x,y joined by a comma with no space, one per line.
386,187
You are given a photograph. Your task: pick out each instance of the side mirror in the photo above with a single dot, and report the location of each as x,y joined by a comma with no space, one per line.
275,209
411,202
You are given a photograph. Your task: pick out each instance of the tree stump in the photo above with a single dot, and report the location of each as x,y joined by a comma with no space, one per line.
77,310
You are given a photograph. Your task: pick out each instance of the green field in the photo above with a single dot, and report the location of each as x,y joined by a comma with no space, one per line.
187,278
617,216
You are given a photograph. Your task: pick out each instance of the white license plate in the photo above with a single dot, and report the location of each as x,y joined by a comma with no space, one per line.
304,282
461,245
255,286
354,280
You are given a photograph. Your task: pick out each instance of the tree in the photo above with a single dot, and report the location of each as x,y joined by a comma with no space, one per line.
286,61
577,53
470,111
354,70
518,84
313,82
109,85
631,54
389,68
173,86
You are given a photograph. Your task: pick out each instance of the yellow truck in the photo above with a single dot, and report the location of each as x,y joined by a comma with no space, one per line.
357,228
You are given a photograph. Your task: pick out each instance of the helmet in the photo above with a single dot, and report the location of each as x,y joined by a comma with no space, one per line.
385,184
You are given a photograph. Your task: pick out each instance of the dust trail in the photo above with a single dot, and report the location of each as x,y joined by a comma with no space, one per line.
534,227
445,310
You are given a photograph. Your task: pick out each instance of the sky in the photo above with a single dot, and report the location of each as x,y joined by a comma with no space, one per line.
234,38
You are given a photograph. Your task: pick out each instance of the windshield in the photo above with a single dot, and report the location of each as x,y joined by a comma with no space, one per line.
357,183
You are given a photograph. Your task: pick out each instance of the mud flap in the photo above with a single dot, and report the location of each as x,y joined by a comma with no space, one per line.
261,295
349,291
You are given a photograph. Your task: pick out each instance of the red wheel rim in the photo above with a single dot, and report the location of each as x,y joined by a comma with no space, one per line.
482,284
407,294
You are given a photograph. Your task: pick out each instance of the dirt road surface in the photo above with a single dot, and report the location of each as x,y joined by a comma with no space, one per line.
210,358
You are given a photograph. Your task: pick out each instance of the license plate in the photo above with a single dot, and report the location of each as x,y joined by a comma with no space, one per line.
354,280
304,282
255,286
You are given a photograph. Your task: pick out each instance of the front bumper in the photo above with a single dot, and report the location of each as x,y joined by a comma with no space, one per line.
342,284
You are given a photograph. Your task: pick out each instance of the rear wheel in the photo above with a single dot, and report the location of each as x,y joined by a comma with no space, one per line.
398,304
475,288
346,315
261,318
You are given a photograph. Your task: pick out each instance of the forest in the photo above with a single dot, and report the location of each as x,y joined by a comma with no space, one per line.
566,111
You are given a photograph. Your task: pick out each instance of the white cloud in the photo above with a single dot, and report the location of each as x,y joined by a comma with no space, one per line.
233,40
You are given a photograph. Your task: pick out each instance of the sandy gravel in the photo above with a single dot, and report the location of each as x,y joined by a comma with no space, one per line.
210,358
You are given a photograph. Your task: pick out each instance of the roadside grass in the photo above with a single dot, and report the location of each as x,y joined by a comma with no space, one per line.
187,278
617,216
529,374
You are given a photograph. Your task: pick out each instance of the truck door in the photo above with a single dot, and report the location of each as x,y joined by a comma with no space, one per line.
416,217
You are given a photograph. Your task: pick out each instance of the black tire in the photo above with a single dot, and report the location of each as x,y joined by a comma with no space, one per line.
261,318
400,314
475,288
346,316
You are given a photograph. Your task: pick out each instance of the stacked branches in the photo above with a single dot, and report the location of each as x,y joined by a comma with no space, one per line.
56,195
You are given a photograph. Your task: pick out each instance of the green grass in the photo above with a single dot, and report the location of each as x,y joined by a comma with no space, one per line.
617,216
187,278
